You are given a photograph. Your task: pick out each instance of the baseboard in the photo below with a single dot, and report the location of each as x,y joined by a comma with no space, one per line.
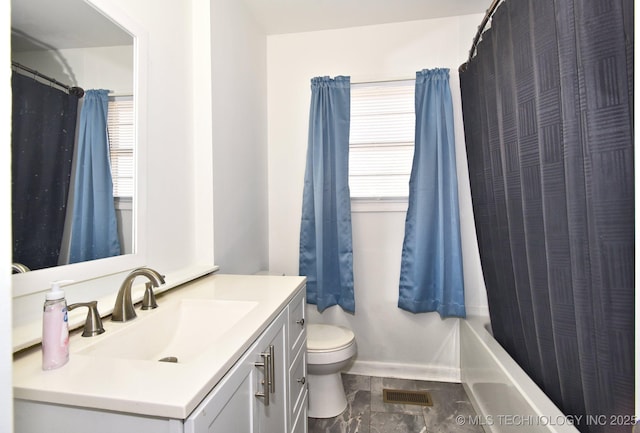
405,371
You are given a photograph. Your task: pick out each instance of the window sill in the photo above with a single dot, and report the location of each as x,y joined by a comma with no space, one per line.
379,204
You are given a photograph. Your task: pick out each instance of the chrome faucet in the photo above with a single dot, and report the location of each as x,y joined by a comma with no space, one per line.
123,309
19,268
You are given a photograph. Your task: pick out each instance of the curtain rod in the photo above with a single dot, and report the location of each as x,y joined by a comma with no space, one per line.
381,81
476,39
72,90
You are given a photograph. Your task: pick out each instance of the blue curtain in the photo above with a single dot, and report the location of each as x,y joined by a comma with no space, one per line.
94,230
431,271
326,255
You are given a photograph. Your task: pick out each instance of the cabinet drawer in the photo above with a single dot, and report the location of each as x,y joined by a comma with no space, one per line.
298,381
297,324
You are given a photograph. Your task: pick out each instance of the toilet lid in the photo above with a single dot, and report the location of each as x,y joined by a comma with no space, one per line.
328,337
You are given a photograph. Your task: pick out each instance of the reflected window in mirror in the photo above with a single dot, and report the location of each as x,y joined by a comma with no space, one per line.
121,130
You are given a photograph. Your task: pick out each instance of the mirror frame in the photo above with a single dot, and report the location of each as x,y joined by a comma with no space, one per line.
39,280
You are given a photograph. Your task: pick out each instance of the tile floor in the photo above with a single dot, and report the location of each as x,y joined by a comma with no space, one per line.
367,413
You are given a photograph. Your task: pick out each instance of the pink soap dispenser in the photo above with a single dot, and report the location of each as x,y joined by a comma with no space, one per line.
55,328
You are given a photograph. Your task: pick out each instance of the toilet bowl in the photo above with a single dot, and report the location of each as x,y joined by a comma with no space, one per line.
329,350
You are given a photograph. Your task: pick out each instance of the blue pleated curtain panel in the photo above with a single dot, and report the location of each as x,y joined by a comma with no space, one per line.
431,277
94,229
326,254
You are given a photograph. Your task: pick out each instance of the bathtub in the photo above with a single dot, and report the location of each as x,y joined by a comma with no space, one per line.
505,398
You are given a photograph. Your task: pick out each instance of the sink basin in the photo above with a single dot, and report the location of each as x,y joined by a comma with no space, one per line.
177,332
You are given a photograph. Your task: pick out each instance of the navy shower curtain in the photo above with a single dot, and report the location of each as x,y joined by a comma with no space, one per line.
42,143
547,104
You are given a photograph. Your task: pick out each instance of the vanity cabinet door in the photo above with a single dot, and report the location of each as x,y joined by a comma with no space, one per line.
229,407
236,404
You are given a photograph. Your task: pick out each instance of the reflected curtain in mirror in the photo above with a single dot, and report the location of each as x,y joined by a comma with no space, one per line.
94,229
43,136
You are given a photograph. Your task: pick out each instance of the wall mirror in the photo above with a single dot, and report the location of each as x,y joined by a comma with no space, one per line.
91,46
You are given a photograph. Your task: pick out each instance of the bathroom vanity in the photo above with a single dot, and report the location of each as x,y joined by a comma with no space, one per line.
240,344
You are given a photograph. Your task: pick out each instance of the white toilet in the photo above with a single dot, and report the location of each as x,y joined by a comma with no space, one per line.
329,350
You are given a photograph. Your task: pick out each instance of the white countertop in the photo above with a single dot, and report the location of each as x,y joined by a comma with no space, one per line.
154,388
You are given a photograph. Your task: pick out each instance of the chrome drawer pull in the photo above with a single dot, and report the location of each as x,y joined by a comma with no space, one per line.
300,322
302,380
266,381
272,369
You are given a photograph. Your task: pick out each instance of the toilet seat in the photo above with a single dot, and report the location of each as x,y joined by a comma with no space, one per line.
328,338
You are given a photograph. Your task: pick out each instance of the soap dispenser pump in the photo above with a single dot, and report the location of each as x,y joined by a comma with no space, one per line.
55,328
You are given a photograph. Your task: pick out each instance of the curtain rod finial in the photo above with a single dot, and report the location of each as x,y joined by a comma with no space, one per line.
76,91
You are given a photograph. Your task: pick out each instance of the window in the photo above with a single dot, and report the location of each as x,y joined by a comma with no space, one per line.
381,140
121,132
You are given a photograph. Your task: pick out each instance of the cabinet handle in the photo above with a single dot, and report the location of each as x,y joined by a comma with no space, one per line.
300,322
266,381
272,369
302,380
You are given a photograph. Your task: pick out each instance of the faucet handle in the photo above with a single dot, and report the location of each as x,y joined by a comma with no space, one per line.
149,299
93,323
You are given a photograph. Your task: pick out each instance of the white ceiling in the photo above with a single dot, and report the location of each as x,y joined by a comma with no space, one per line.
59,24
74,24
291,16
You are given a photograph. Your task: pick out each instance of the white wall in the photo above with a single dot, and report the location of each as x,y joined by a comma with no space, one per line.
239,138
390,341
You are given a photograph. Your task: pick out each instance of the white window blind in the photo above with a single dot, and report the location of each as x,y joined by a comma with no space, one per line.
121,130
381,139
